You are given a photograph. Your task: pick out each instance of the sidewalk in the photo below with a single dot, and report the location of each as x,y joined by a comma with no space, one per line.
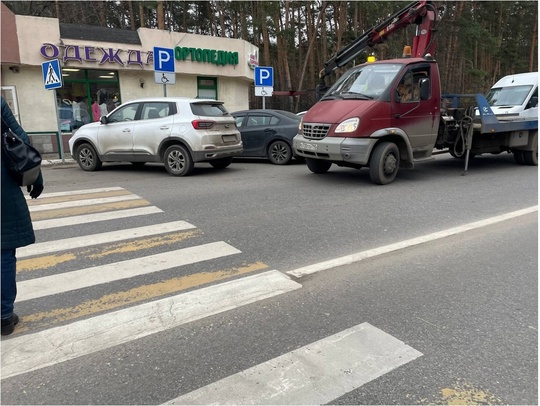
52,159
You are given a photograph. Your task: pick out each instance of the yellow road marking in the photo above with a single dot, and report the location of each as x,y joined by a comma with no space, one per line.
98,208
82,196
135,295
468,395
44,262
49,261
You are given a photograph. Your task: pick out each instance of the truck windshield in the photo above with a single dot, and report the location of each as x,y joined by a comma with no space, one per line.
508,96
364,82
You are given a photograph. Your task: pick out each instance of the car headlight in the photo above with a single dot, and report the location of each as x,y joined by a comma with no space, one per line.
348,126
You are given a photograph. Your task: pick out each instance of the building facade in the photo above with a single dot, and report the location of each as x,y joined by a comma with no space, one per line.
104,67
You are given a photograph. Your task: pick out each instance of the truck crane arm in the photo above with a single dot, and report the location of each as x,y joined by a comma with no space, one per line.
422,13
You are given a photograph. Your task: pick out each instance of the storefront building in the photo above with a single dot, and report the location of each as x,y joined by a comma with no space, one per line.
104,67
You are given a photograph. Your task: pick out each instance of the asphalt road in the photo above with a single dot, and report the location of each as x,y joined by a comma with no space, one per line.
465,305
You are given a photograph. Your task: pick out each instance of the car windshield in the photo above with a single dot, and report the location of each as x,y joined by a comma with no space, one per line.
364,82
209,109
508,96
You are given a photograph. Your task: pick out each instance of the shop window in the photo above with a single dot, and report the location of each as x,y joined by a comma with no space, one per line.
207,88
86,96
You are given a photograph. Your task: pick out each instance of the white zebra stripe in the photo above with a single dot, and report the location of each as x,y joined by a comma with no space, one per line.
97,275
91,218
49,347
102,238
81,203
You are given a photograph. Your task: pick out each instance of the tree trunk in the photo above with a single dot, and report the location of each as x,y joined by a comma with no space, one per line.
160,15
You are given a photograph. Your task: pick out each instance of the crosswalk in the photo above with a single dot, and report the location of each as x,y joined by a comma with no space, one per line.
110,268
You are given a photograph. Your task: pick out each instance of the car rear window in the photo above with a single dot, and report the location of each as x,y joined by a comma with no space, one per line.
209,109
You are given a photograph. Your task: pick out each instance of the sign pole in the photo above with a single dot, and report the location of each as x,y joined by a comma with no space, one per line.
264,102
164,90
59,138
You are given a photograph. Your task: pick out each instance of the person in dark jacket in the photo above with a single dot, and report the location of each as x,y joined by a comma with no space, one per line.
17,230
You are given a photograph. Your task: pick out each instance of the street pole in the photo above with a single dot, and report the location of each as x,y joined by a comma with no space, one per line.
59,138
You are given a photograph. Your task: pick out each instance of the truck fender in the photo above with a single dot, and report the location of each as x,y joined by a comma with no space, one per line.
398,137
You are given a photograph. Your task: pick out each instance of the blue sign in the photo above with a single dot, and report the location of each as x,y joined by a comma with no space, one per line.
163,59
52,74
264,76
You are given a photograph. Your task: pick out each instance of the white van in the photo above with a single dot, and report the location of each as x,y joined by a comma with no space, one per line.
515,95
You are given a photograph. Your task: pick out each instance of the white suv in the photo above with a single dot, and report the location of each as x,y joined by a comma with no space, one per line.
177,131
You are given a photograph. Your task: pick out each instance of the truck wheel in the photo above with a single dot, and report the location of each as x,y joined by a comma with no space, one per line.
518,157
317,165
221,163
531,157
384,163
87,158
279,153
178,161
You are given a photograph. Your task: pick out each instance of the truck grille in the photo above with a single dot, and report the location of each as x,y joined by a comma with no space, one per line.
315,131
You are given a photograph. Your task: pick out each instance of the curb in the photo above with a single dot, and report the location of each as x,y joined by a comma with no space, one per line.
47,162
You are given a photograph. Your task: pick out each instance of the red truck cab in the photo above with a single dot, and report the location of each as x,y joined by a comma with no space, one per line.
383,115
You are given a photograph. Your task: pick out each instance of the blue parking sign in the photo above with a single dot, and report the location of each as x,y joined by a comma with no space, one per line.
163,59
52,74
264,76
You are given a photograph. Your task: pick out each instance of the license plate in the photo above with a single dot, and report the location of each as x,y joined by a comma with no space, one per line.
307,146
229,138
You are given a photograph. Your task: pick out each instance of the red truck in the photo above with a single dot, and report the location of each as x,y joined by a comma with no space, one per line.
387,115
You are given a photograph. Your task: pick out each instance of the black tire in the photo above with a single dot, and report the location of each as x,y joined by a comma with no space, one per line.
178,161
384,163
138,164
221,163
87,158
518,157
279,153
317,165
531,157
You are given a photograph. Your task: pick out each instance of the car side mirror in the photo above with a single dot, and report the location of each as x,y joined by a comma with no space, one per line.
425,89
533,102
103,120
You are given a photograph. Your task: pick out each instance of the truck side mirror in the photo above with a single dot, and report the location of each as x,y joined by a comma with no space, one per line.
425,88
533,102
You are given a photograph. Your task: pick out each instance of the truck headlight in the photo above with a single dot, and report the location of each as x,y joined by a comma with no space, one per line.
348,126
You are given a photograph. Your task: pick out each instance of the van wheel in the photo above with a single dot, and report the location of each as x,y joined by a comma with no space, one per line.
384,163
317,165
87,158
531,157
279,153
178,161
221,163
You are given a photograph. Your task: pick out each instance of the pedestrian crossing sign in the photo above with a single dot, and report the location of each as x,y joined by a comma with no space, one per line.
52,74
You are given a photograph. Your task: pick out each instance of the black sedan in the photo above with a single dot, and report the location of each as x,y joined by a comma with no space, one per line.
267,134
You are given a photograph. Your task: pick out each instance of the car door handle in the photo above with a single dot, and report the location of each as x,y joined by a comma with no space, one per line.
126,130
164,127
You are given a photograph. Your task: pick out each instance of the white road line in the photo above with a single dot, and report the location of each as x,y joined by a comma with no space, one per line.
349,259
102,238
91,218
312,375
49,347
79,192
97,275
81,203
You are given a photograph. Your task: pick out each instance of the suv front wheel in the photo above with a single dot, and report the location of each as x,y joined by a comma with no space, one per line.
87,158
178,161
